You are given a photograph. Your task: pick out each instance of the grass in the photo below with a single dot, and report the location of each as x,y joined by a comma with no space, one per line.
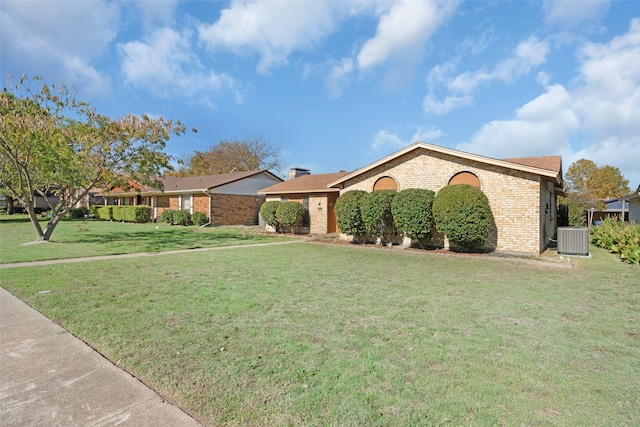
81,238
321,335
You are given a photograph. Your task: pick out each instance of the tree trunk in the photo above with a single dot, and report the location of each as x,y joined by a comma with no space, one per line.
34,220
50,227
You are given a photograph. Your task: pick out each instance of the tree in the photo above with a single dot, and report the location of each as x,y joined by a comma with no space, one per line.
587,185
249,154
50,140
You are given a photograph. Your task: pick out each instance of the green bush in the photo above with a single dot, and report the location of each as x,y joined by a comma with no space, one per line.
377,218
348,215
412,214
104,213
182,217
289,215
78,212
167,216
268,213
463,214
93,210
618,237
199,218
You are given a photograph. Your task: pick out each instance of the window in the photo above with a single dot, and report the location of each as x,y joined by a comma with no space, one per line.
465,178
185,202
385,183
163,201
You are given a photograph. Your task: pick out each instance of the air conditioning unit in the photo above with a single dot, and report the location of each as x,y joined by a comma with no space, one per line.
573,241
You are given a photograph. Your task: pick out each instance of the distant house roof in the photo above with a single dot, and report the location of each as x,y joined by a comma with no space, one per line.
549,166
305,184
175,184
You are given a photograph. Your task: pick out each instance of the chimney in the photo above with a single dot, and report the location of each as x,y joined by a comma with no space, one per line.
296,172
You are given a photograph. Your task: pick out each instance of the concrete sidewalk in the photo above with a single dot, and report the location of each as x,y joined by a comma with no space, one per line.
50,378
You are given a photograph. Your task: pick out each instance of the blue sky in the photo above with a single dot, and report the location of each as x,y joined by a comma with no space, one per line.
337,85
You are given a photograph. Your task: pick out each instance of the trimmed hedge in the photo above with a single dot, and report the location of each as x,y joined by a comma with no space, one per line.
78,212
375,208
199,218
268,213
463,214
182,217
412,214
139,214
348,216
167,216
289,215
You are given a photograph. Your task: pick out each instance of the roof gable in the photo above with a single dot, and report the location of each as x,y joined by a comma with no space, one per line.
549,166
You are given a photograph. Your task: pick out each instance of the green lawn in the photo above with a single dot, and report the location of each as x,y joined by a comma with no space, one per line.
81,238
319,335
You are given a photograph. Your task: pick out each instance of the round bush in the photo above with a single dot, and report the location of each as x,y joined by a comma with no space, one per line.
463,214
167,216
412,215
376,214
290,214
268,213
182,217
199,218
348,216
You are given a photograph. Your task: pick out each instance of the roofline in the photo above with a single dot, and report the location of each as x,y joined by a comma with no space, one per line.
450,152
321,190
244,177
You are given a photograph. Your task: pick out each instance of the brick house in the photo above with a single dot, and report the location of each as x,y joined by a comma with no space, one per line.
314,193
521,191
227,199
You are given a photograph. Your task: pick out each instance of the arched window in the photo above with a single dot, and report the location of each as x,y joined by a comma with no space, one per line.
465,178
385,183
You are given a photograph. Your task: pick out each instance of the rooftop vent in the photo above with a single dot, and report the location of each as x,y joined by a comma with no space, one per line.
573,241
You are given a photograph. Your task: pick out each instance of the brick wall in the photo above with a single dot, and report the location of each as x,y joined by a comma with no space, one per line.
235,209
515,197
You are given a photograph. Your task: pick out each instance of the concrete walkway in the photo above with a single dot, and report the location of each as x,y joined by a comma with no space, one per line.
50,378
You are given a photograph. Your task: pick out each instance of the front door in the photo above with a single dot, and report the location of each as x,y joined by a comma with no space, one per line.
332,225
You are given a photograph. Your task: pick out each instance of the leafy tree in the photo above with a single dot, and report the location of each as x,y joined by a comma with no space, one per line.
50,140
232,156
463,214
587,185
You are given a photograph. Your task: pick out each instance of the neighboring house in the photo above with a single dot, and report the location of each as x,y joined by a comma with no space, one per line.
313,193
227,199
522,191
613,208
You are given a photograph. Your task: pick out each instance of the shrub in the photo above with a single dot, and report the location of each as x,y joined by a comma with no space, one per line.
78,212
412,215
93,210
268,213
167,216
376,213
289,215
199,218
618,237
142,213
104,213
348,215
463,214
182,217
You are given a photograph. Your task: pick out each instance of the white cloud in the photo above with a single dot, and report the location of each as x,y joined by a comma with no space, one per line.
542,125
165,64
570,13
273,29
58,40
338,77
432,106
403,30
528,55
386,140
598,118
